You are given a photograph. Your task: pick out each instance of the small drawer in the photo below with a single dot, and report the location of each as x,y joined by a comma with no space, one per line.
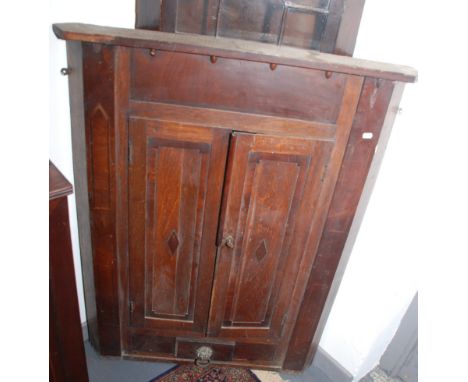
148,344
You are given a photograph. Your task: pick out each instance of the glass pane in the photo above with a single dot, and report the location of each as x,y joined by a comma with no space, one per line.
304,30
196,16
258,20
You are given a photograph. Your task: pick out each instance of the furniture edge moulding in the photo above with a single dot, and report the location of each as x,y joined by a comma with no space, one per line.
233,48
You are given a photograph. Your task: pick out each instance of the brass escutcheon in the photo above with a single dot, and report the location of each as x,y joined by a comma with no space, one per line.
204,354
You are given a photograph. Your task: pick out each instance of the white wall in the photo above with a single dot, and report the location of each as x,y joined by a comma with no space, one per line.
402,224
105,12
395,237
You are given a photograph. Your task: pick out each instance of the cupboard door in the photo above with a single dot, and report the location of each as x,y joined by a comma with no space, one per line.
175,181
270,207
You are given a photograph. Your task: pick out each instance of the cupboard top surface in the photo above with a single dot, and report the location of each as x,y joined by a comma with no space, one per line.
235,49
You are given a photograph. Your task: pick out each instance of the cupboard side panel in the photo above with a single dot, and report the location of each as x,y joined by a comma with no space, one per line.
77,117
99,92
372,109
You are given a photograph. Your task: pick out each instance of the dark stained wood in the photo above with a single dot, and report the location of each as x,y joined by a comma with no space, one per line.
329,26
148,343
175,177
270,180
220,191
188,16
345,120
222,351
67,361
99,91
325,25
262,354
169,9
232,120
148,14
184,79
234,49
122,99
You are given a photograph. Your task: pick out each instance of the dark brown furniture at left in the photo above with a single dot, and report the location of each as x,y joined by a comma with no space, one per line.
67,360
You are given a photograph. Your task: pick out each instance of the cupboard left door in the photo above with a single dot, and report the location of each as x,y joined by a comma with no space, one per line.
175,182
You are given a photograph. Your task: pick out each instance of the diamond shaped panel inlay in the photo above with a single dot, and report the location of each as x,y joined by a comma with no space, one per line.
173,242
261,251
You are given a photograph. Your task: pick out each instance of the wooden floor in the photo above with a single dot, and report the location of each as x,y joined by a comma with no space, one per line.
110,369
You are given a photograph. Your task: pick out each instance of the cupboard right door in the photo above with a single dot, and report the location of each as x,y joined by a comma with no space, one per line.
271,210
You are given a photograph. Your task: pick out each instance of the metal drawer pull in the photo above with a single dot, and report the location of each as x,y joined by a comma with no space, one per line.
204,354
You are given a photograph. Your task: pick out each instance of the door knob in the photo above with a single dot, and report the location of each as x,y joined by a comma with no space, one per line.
228,241
204,354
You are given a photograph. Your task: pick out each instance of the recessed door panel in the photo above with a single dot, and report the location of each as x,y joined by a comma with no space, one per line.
176,188
175,177
263,240
272,188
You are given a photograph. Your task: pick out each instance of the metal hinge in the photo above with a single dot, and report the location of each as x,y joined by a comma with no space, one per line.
283,322
131,307
130,152
324,173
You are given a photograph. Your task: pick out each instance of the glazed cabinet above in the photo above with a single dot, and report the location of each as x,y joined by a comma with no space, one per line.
216,182
326,25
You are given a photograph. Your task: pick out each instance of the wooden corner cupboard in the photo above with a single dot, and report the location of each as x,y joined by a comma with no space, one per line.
216,182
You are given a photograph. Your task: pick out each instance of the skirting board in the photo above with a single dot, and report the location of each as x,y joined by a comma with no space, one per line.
322,361
84,329
330,367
